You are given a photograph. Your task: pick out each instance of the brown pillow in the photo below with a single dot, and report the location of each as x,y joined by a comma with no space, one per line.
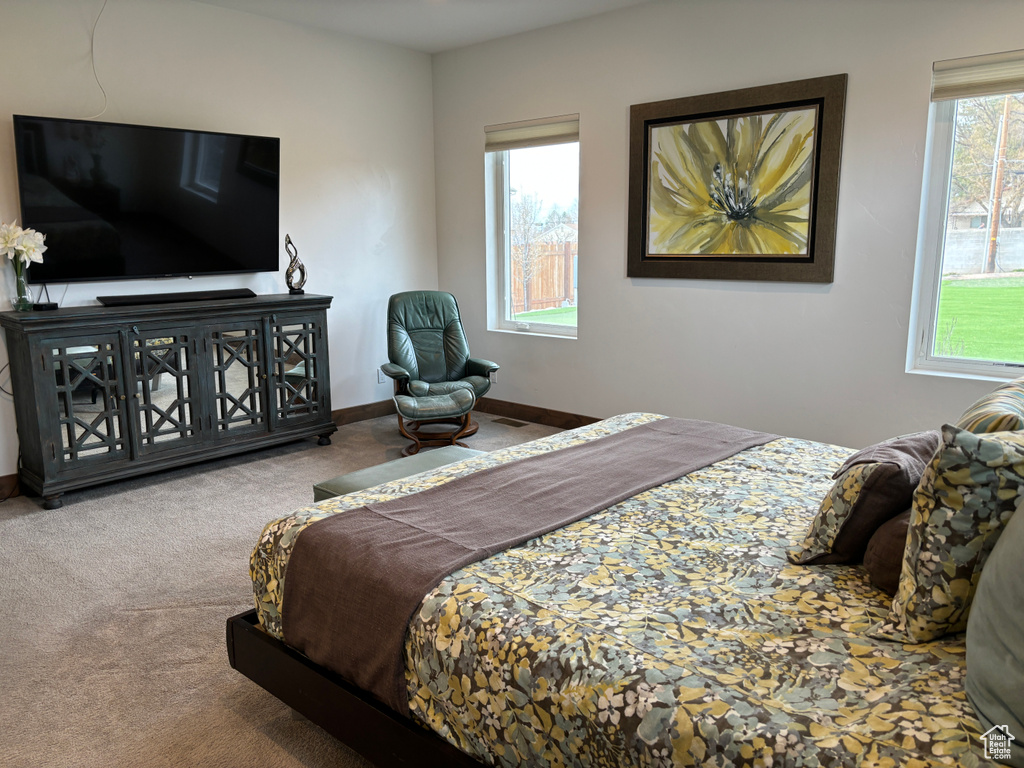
884,556
910,452
872,486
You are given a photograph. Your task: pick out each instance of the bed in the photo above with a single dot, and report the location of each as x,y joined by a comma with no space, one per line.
668,629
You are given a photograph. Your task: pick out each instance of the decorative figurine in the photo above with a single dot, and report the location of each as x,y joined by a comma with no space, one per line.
295,275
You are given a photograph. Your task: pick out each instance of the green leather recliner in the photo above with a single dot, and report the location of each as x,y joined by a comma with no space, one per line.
429,360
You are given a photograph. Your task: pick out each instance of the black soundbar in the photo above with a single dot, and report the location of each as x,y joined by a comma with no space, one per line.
170,298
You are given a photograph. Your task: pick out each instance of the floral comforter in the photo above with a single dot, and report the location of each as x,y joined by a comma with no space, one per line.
668,630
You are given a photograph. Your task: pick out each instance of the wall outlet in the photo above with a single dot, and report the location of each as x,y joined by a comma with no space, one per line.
380,376
494,377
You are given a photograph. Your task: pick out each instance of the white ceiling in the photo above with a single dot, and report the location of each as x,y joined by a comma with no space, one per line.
430,26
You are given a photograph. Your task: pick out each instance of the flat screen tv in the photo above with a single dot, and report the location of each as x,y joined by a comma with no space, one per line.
122,201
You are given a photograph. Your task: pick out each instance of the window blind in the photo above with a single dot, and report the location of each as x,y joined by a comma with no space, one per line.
989,75
532,133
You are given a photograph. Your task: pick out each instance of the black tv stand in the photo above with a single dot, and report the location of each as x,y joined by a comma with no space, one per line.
108,393
171,298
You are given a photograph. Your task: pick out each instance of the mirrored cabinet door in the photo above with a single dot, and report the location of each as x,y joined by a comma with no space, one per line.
239,380
296,366
89,404
165,395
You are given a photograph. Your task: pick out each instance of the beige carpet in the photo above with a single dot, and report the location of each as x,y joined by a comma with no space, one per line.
112,636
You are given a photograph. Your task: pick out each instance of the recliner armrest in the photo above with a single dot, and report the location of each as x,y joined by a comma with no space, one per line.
419,388
476,366
393,371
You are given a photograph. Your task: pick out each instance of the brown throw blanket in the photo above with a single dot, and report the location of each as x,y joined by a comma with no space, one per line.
355,579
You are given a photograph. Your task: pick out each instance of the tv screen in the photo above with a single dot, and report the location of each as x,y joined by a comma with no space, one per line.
130,201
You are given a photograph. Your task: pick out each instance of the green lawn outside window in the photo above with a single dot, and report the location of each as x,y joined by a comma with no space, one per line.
981,319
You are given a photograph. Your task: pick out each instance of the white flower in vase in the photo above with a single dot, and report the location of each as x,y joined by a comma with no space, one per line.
31,244
9,236
21,246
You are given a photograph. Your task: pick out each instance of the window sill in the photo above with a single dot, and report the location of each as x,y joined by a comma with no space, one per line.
965,373
541,334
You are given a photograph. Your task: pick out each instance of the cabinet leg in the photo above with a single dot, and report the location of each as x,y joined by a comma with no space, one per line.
324,440
53,502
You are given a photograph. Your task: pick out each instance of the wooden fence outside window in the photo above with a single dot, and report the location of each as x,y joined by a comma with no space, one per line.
552,282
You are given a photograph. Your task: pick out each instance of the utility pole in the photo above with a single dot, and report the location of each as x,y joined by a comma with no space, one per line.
996,195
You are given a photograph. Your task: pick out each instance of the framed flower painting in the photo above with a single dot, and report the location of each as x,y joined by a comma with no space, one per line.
739,185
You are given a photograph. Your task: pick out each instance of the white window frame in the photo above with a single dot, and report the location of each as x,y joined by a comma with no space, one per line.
499,140
955,79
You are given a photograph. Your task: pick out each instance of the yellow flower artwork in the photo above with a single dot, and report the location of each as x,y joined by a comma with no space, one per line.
738,185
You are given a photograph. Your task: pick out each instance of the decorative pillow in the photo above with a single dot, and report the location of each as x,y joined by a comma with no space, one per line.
967,495
1002,410
872,486
883,558
995,640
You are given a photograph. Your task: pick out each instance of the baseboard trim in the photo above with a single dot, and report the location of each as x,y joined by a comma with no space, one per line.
546,416
531,413
355,413
9,486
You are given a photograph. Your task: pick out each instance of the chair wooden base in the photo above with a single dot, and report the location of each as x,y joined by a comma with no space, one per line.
464,427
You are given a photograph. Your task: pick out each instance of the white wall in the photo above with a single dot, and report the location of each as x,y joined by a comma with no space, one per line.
820,361
355,122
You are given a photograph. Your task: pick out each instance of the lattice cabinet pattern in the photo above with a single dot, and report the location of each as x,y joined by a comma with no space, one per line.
296,359
165,389
91,422
103,393
239,378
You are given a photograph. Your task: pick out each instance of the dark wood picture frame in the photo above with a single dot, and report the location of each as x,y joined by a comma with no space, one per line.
730,204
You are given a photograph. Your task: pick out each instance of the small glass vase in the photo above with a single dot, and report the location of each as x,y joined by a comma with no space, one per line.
21,298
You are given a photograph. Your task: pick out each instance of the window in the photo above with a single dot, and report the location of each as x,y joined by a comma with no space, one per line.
532,199
969,289
204,160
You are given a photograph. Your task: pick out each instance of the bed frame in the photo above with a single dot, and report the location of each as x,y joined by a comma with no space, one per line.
352,716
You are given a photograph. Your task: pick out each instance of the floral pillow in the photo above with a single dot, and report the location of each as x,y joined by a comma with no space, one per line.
1002,410
872,486
968,493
